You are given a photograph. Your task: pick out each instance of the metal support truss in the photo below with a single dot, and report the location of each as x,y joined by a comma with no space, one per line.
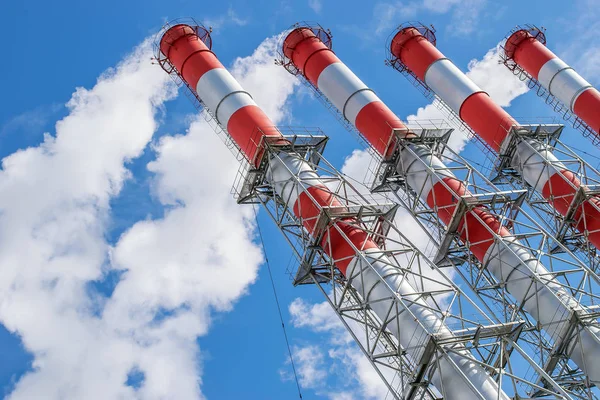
492,343
500,345
564,227
452,253
574,276
542,92
501,173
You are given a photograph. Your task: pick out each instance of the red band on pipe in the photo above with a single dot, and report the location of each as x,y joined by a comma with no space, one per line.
308,53
560,190
309,208
487,119
475,225
247,126
336,244
376,121
528,52
444,200
414,51
588,220
476,231
188,54
587,107
341,251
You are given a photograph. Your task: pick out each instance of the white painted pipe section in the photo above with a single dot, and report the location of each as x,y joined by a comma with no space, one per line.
408,327
536,163
449,83
547,301
415,167
345,90
562,81
287,188
222,94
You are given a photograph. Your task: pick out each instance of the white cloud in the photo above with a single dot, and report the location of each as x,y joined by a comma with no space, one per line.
356,377
230,17
54,212
573,38
370,384
493,77
440,6
178,269
589,64
318,317
29,121
387,15
316,5
189,251
465,17
311,366
465,14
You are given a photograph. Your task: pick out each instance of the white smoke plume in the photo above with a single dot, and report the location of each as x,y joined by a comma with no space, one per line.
54,214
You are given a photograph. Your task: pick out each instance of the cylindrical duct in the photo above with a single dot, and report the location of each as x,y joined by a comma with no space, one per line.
534,160
555,76
297,183
508,259
232,106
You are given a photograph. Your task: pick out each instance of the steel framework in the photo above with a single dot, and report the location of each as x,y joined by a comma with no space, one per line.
542,141
410,320
574,276
390,175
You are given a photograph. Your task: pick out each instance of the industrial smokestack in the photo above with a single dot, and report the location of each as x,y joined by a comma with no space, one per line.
297,184
526,49
536,163
496,248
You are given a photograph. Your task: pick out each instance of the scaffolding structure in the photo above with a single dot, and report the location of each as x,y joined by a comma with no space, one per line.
540,140
389,176
415,326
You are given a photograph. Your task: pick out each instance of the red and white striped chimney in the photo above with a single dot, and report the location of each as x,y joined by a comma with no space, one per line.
348,245
535,161
376,122
555,76
507,259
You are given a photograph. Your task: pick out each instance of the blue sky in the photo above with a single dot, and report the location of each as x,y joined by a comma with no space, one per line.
228,334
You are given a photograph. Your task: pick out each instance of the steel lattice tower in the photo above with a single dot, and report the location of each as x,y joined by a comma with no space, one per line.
424,336
562,187
476,225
